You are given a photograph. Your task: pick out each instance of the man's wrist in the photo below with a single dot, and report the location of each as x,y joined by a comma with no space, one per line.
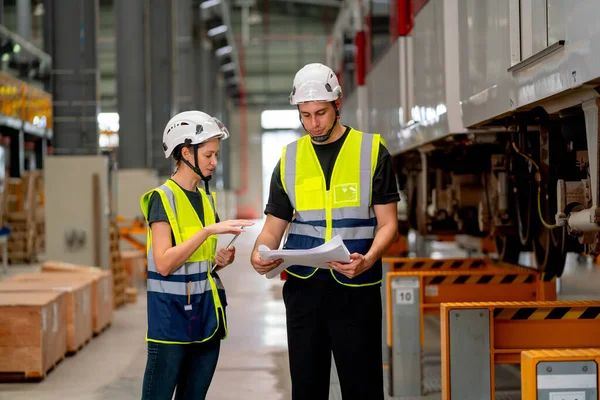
369,260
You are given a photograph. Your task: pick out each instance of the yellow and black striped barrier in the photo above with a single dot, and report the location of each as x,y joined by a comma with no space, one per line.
568,373
398,264
541,313
416,287
476,279
476,336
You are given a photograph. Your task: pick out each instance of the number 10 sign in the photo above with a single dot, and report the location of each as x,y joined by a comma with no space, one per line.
405,296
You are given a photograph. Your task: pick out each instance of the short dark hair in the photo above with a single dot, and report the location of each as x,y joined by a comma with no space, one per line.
177,153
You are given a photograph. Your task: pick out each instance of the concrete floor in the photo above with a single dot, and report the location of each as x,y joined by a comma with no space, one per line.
253,362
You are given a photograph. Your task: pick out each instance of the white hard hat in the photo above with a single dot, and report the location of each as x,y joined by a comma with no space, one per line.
315,82
191,127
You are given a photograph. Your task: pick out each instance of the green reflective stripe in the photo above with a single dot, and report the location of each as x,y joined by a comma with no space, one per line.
307,230
196,267
353,284
170,197
366,147
336,213
310,215
359,232
189,268
150,255
290,172
318,232
169,204
178,288
352,212
300,276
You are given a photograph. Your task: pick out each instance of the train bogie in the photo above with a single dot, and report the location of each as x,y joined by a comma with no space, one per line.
490,110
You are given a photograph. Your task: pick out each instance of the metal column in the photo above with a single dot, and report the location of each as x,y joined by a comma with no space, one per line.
197,58
186,74
41,148
162,60
17,153
71,28
24,17
135,135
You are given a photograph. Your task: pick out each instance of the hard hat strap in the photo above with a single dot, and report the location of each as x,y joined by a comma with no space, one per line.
195,167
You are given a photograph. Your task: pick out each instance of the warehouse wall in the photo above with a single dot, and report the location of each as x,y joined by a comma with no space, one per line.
246,163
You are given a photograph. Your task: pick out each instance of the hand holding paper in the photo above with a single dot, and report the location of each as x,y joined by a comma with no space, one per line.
318,257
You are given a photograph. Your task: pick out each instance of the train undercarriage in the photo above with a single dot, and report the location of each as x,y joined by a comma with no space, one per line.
530,181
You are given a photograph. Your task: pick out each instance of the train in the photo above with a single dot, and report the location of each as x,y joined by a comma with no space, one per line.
490,110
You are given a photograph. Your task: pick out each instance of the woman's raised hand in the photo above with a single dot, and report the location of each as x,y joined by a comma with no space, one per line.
233,226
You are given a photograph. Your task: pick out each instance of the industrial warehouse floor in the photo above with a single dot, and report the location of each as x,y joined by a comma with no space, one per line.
253,362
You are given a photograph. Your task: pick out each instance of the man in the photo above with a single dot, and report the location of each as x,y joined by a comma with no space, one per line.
338,181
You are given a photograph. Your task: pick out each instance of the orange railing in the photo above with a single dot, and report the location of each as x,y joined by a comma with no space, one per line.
23,101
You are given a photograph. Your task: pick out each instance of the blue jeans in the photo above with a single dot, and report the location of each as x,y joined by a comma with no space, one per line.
189,367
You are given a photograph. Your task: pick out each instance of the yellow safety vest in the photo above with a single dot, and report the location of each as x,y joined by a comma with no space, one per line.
345,209
188,305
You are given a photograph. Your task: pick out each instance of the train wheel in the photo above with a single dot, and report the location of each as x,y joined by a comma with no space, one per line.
549,245
411,199
508,248
524,205
550,256
549,242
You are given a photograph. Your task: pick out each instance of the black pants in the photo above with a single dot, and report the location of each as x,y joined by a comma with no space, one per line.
325,317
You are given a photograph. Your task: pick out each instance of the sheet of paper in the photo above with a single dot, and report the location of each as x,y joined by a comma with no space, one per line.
318,257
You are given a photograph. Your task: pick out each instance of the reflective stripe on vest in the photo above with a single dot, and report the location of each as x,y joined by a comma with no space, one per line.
345,209
191,299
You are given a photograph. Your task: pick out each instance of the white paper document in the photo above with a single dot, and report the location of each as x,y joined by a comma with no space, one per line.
317,257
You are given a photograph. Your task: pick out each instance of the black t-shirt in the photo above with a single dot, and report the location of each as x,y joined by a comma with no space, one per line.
157,212
385,187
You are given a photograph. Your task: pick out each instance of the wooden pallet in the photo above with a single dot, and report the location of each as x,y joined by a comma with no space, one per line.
116,266
33,338
23,212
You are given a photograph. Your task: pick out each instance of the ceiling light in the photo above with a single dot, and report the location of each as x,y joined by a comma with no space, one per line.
228,67
217,31
223,51
210,3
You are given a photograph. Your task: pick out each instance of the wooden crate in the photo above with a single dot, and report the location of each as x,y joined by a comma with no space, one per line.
79,304
133,262
32,333
102,289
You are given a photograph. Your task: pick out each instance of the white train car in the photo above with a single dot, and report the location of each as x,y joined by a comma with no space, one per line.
490,109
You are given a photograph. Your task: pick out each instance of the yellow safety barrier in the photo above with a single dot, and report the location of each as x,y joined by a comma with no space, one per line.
559,374
416,287
477,336
23,101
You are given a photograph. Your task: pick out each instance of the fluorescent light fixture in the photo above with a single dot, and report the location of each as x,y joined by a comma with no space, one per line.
223,51
40,122
210,3
108,122
279,119
228,67
217,31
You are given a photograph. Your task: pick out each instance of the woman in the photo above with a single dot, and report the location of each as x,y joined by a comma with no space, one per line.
186,299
